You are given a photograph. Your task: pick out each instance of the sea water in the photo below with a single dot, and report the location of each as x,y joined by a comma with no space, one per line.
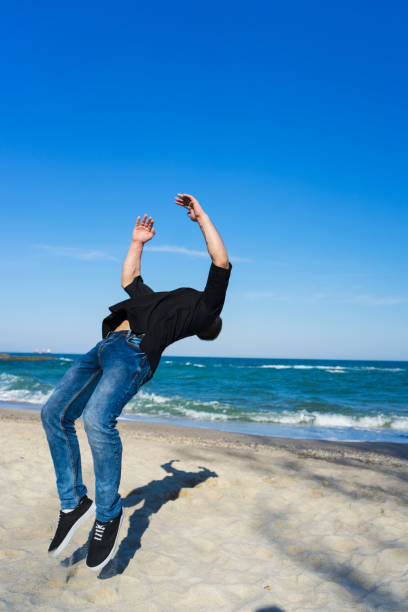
299,398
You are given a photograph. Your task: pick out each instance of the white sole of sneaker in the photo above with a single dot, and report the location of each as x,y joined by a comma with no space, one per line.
112,552
73,529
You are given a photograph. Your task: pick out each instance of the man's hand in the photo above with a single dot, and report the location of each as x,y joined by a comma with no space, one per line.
191,204
143,230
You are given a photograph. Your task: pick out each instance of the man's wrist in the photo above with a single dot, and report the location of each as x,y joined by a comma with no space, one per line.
137,245
202,218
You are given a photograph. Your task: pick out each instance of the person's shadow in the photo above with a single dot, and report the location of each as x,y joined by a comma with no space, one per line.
155,494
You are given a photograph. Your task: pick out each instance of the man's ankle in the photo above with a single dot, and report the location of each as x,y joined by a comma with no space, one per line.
74,508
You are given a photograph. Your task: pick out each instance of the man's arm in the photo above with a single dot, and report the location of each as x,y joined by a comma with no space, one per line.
142,233
131,265
220,270
215,245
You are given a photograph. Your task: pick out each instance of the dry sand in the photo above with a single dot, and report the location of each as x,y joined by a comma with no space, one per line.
214,521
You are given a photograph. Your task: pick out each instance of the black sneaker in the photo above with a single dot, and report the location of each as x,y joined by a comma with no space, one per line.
68,523
102,545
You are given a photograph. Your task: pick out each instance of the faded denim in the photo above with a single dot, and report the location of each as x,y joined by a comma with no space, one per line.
98,385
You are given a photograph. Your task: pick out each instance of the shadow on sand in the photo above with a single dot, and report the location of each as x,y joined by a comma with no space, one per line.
155,494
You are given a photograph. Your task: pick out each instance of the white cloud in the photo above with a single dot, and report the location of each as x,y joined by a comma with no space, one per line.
176,249
364,299
167,248
94,255
77,253
373,300
259,296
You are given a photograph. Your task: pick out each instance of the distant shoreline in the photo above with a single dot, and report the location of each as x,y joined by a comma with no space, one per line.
327,449
11,357
20,410
53,355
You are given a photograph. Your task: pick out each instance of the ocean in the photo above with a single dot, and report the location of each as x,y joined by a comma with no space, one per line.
296,398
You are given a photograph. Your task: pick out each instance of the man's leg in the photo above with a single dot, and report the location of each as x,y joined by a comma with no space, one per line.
58,414
125,369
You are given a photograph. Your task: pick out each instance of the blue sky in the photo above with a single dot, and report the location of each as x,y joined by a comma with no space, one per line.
287,121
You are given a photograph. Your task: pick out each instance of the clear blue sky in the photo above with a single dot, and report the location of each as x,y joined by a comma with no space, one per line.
288,121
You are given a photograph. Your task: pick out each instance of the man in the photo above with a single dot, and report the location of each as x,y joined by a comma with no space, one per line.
101,382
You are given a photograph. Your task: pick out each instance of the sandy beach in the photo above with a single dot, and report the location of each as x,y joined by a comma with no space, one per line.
214,521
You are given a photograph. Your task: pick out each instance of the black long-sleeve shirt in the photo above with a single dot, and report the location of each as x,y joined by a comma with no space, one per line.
167,316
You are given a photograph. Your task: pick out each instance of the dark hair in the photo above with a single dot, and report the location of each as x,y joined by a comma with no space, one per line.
210,333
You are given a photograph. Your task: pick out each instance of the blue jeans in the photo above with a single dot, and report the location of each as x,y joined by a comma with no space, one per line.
98,385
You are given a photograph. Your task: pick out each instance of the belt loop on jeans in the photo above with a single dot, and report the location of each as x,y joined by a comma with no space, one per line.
119,333
122,332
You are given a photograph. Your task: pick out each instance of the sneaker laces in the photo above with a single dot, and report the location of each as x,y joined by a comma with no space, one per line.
99,531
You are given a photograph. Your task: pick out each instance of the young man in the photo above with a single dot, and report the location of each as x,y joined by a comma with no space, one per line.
101,382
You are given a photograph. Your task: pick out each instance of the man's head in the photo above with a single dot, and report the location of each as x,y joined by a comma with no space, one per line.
211,333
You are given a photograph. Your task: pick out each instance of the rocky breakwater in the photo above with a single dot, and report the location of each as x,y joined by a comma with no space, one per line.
6,356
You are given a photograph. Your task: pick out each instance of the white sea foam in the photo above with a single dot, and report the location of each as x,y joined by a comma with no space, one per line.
327,368
381,369
192,409
201,414
196,365
27,396
7,378
187,363
12,389
302,417
154,398
330,369
184,413
400,423
64,359
273,367
340,420
152,404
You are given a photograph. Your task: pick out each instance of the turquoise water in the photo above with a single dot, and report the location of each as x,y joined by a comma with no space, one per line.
334,400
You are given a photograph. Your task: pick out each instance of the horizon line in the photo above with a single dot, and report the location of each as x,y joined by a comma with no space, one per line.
222,357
